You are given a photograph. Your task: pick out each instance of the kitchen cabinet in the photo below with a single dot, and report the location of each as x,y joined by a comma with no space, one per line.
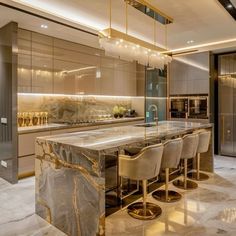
125,83
24,73
26,143
24,61
140,80
26,166
189,74
50,65
26,152
42,75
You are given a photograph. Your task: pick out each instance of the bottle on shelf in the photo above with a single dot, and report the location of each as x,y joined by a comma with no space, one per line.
35,118
20,119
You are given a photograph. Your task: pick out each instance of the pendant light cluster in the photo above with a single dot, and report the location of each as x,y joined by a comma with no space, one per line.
129,48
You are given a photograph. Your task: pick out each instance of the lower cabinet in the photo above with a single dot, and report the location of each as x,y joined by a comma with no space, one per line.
26,151
26,166
26,145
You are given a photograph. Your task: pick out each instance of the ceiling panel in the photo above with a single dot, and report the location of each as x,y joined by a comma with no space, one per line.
198,20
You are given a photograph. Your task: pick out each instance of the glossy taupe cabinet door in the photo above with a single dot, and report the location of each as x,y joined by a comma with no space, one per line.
54,66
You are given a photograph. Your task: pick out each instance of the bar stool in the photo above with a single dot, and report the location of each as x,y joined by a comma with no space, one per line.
145,165
170,159
190,144
203,146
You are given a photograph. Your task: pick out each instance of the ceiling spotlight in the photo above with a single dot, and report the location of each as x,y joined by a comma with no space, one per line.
229,6
44,26
190,41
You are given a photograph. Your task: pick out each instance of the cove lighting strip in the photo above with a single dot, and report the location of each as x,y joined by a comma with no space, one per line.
202,45
89,96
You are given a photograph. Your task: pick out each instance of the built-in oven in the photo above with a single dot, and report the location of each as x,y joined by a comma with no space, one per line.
198,107
178,107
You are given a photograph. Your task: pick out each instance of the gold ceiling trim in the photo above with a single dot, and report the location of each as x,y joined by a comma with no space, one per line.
112,33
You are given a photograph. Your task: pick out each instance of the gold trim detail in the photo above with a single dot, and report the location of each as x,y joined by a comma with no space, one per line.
26,175
112,33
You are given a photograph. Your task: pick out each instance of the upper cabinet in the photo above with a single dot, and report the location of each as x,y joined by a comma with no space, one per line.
189,74
50,65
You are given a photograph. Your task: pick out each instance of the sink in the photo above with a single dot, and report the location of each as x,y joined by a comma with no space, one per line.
145,125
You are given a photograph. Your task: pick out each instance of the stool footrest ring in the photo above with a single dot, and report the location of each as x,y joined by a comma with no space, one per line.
139,211
172,196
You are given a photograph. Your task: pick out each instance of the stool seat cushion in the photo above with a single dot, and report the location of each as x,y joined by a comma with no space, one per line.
190,145
145,165
204,141
172,153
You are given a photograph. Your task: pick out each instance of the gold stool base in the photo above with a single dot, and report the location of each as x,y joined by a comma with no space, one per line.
137,211
173,196
202,176
190,184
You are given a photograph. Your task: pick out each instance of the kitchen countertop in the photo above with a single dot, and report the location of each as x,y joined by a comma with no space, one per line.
57,126
108,138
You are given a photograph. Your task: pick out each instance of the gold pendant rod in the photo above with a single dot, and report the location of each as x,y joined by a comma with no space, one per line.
166,36
155,37
110,13
126,17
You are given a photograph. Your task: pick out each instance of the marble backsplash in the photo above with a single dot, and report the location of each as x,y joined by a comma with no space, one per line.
72,108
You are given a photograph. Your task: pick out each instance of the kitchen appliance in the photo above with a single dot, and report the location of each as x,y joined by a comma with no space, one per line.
178,107
198,107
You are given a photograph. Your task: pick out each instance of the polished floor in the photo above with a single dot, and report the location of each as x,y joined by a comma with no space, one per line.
17,209
209,210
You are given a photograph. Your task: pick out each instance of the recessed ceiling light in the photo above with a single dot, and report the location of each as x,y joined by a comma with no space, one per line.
190,41
229,6
44,26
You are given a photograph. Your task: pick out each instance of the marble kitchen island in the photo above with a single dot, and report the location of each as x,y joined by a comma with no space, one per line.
70,171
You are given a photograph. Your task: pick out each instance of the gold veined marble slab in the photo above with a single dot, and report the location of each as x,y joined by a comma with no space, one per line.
70,172
115,137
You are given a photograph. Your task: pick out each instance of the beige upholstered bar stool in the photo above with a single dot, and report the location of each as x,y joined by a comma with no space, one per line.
143,166
203,146
190,144
170,159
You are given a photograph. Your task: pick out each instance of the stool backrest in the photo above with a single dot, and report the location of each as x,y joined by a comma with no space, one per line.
172,153
190,145
143,166
204,141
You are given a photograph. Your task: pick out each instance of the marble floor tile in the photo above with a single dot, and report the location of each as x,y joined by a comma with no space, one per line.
207,211
17,211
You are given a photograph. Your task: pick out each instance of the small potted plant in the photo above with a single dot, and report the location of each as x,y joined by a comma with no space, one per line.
115,111
121,111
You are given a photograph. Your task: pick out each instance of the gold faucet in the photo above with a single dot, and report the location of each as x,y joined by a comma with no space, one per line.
154,109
